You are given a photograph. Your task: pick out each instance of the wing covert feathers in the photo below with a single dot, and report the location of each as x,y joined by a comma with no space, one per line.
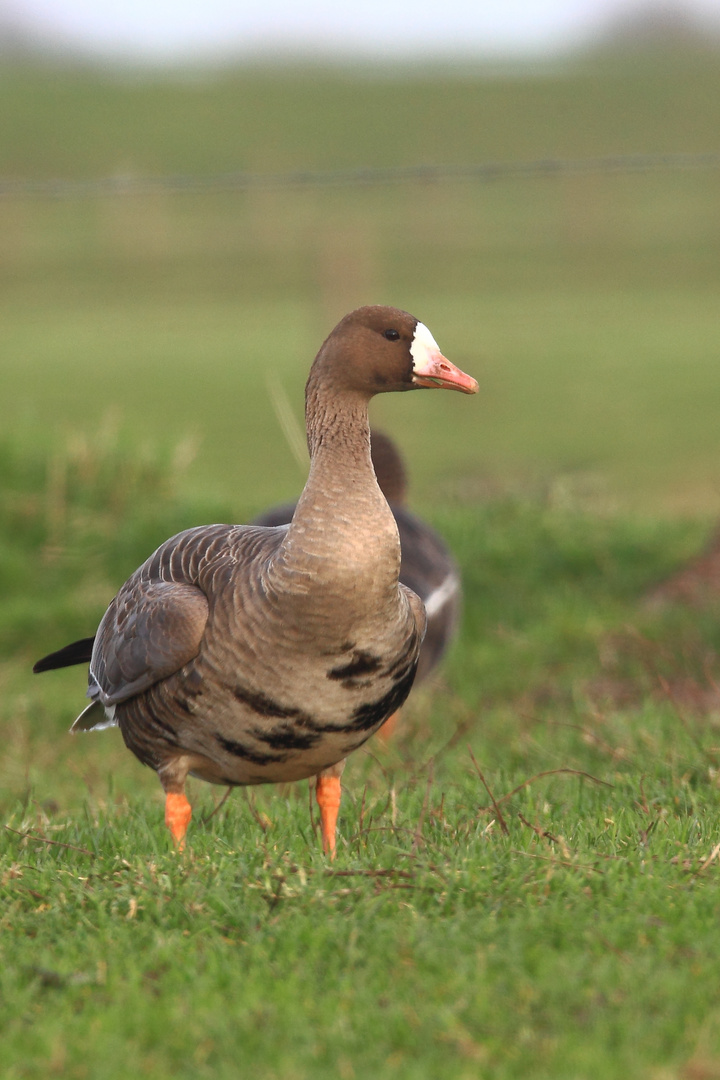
150,630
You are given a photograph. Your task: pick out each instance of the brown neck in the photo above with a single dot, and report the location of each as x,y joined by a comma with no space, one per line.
341,487
338,431
343,531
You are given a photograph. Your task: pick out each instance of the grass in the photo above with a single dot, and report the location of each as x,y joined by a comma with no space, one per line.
586,305
526,882
467,953
73,122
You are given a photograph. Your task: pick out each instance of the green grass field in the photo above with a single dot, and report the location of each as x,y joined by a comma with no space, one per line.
586,305
527,879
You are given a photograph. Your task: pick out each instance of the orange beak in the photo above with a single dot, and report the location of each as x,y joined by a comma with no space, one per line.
438,373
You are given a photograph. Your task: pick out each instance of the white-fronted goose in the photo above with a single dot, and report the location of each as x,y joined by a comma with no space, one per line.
249,655
426,565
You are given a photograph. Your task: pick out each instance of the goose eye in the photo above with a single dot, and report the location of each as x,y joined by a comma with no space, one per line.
391,335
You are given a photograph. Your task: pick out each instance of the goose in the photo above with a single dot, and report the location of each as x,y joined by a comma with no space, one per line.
243,654
426,565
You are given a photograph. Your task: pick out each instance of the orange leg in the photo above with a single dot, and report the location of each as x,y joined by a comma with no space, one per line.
388,729
327,793
177,816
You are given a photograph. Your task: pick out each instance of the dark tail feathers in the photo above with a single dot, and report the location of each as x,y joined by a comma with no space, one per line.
77,653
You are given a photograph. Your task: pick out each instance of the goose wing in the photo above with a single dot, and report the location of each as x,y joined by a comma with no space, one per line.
150,630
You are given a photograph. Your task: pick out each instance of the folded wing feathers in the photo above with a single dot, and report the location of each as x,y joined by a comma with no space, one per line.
149,631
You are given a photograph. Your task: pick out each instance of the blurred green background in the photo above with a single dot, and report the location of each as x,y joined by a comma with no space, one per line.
154,343
587,305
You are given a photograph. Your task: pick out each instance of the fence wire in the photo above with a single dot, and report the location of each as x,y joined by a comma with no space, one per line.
484,172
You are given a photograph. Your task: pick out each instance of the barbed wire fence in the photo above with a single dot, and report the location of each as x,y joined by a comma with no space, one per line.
483,172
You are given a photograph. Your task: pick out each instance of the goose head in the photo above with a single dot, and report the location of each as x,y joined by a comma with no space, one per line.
378,349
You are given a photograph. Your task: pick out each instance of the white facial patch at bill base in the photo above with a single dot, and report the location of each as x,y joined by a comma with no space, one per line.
424,346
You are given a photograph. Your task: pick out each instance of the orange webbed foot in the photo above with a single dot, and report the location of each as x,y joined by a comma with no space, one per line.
177,816
328,794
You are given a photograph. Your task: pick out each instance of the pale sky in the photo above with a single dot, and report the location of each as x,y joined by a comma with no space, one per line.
167,29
